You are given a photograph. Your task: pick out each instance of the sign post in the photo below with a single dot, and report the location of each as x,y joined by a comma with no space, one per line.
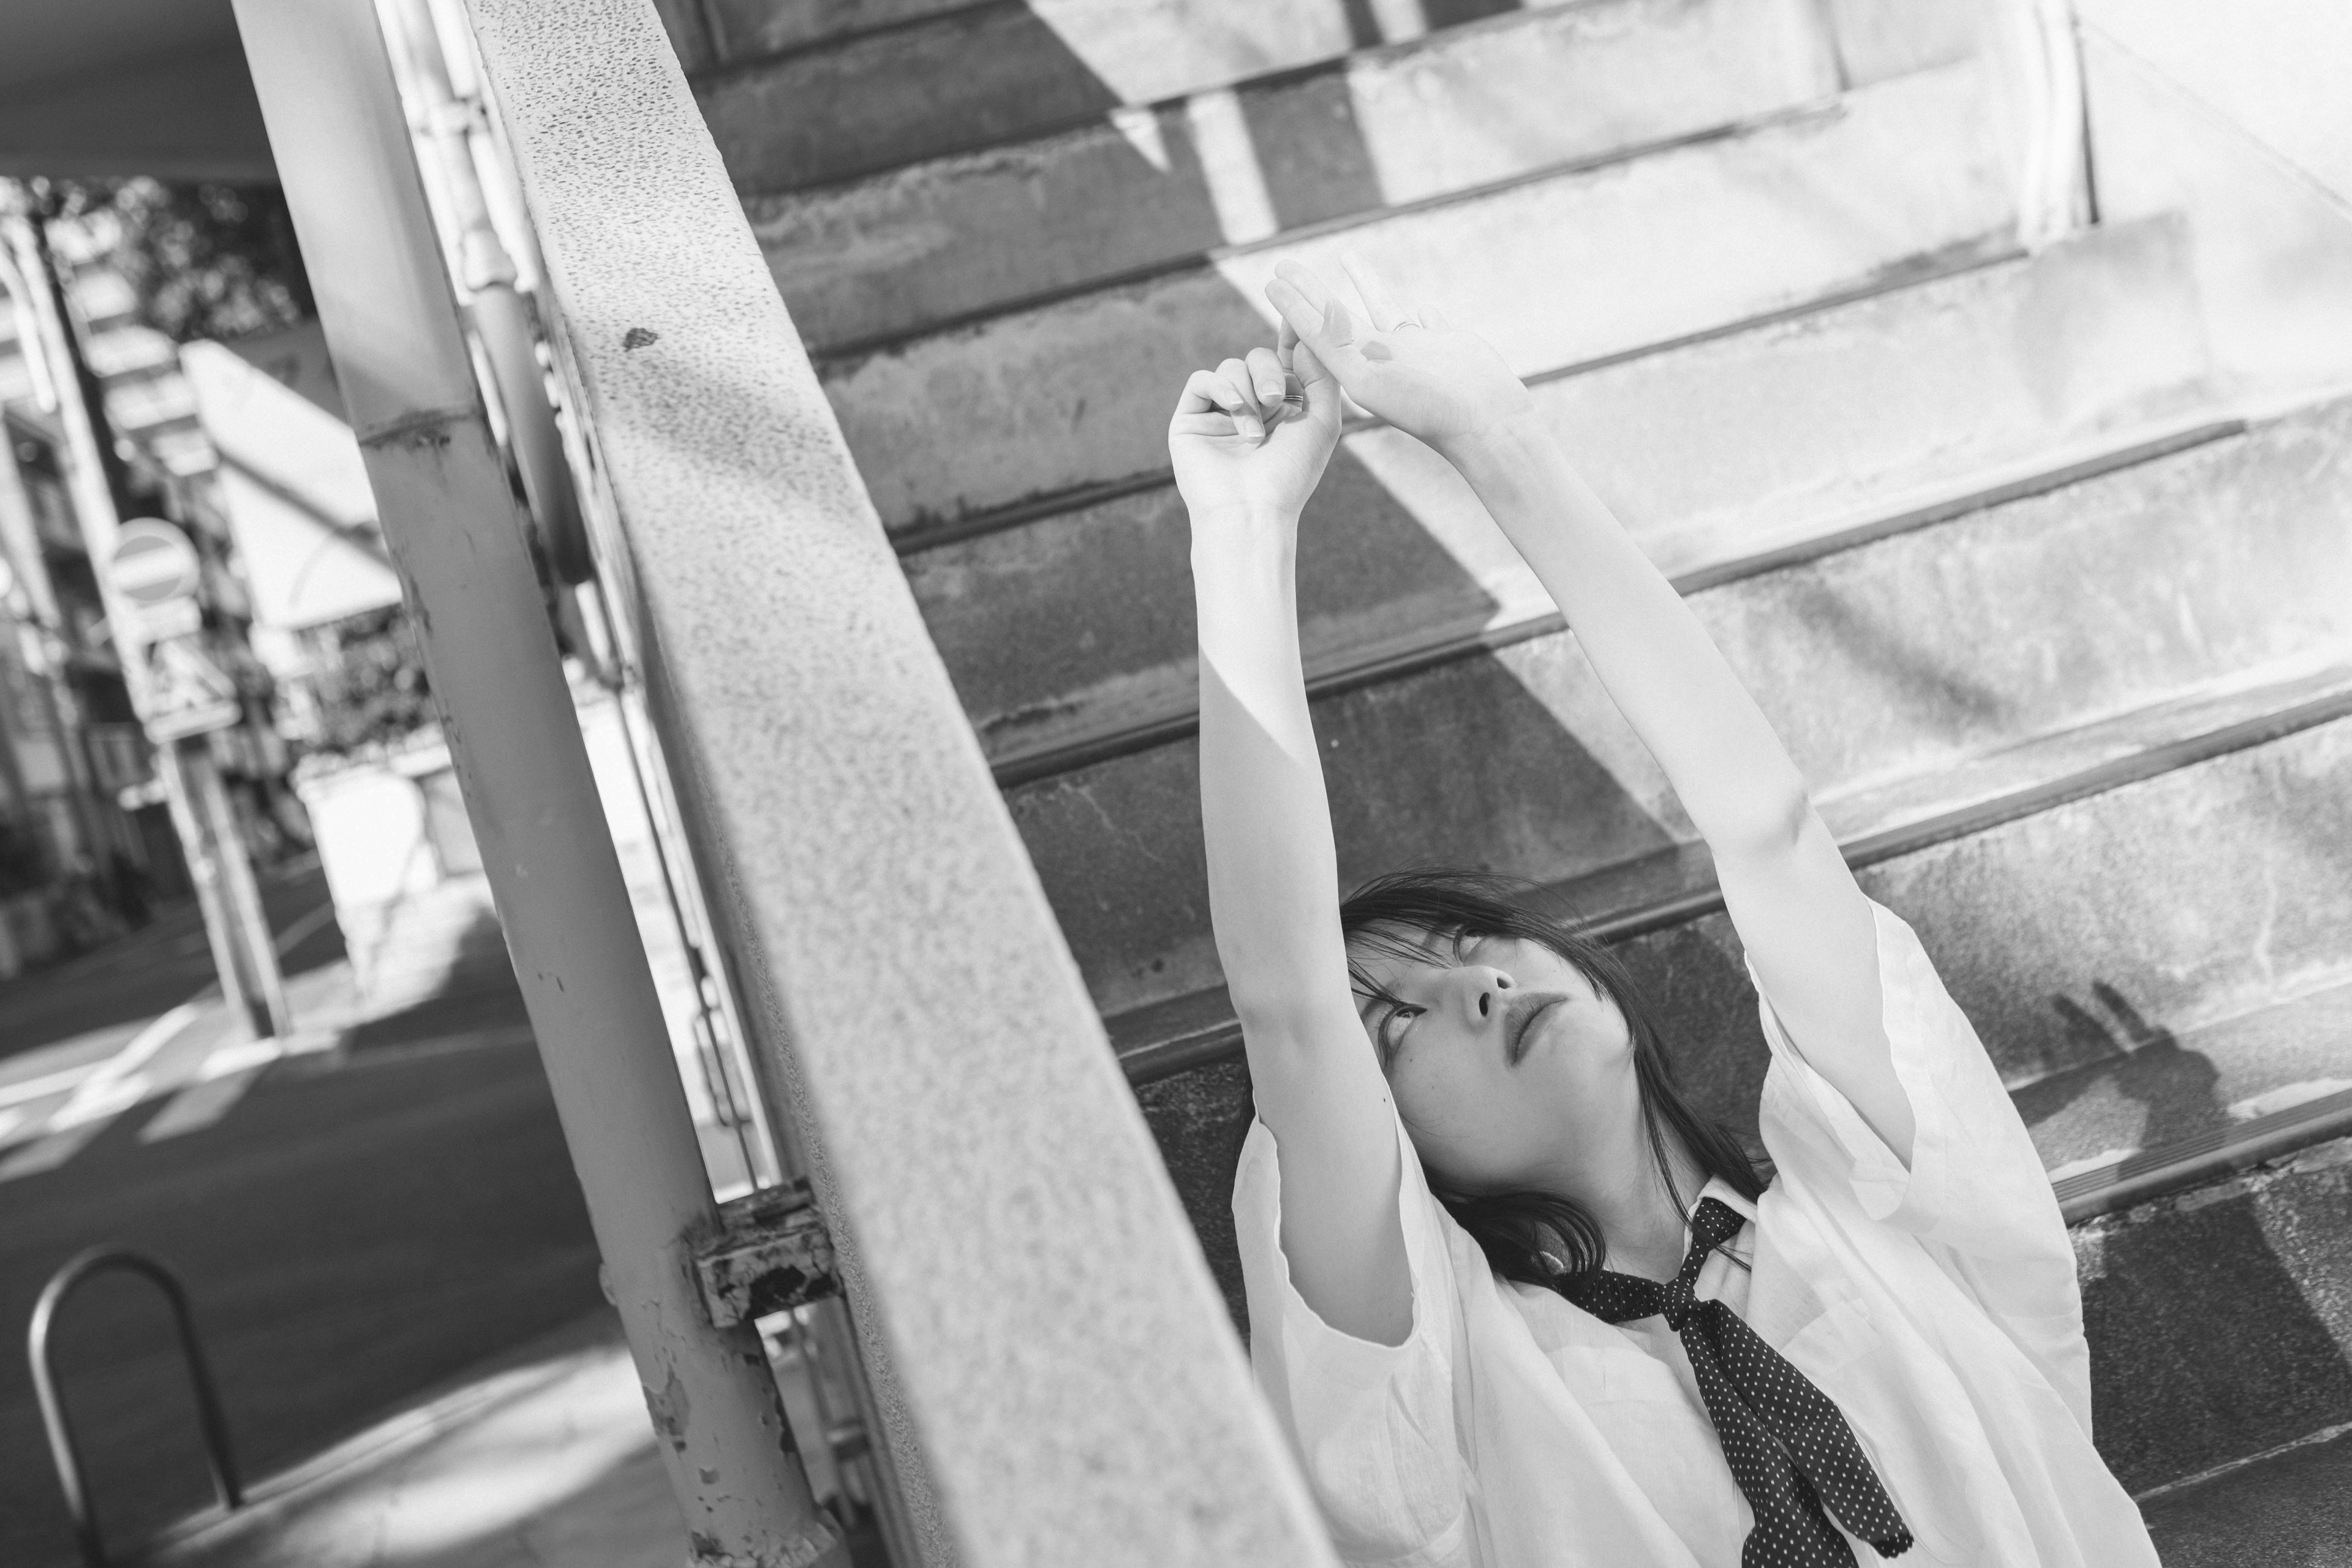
182,695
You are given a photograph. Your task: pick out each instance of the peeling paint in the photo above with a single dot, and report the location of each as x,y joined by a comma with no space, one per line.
671,1410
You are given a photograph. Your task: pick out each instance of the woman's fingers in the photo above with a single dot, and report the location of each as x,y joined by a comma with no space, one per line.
1249,417
1273,384
1319,390
1435,320
1209,394
1267,378
1386,313
1314,309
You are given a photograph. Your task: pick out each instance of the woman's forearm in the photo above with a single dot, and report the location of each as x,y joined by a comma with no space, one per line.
1273,873
1727,767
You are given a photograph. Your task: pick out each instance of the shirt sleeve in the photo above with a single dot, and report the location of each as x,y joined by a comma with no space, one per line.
1372,1425
1975,1190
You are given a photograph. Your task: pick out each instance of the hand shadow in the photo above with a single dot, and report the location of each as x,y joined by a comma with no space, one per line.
2203,1346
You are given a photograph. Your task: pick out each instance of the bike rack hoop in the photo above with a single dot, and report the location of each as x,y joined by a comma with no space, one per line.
63,1451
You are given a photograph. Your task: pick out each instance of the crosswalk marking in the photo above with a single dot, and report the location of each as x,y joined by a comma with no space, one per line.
200,1104
46,1154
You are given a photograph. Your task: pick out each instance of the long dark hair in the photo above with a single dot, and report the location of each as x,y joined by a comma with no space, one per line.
1542,1239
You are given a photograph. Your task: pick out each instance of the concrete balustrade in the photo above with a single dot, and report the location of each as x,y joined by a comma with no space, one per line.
1049,1351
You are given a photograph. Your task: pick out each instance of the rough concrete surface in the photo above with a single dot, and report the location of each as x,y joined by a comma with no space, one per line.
2079,940
1461,108
1049,1358
2151,583
1570,267
968,75
2290,1509
2221,1320
1708,452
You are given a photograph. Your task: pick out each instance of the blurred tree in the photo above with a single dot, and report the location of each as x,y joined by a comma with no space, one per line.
367,685
206,261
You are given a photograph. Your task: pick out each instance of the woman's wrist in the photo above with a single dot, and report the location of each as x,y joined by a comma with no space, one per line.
1247,516
1242,530
1513,441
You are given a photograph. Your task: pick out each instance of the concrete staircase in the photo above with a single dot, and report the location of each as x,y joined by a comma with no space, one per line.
2059,629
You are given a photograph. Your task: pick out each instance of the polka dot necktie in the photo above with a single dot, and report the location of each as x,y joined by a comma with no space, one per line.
1790,1449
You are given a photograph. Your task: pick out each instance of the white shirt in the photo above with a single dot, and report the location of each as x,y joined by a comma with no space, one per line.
1937,1307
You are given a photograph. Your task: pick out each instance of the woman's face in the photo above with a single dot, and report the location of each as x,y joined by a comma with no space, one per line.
1503,1059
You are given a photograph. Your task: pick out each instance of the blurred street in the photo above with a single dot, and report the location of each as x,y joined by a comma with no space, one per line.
359,1213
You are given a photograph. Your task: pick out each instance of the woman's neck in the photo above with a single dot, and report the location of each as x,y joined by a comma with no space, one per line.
1620,1187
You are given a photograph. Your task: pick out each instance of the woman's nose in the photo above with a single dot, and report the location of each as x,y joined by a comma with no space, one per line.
1485,988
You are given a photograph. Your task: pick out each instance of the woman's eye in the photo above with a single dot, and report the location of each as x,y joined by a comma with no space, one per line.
1390,1025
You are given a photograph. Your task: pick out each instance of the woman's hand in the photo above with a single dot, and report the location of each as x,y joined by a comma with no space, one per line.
1411,368
1253,435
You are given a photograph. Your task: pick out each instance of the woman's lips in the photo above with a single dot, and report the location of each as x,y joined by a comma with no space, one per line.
1518,1047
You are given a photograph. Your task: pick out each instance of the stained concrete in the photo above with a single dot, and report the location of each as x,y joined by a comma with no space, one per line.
1046,1351
2292,1509
2075,939
963,75
1571,267
2214,565
2220,1319
1461,108
1709,452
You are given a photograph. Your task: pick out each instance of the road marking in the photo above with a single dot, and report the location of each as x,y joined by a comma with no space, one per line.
285,941
48,1084
200,1104
100,1094
48,1153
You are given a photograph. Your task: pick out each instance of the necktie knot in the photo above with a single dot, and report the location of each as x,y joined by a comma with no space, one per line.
1790,1451
1680,1302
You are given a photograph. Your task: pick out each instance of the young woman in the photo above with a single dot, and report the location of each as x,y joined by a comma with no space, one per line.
1514,1303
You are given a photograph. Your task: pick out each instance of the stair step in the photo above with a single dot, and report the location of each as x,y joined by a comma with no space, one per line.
1665,892
1462,107
751,30
1573,265
2214,565
1713,453
2220,1320
2291,1505
2048,912
2163,1108
812,93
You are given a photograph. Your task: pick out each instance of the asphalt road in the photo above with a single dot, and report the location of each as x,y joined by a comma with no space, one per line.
356,1226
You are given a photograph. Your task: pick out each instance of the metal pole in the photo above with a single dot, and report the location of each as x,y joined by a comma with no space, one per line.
265,990
343,154
203,851
98,482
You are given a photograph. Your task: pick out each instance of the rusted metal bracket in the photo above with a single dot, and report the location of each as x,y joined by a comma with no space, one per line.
771,1253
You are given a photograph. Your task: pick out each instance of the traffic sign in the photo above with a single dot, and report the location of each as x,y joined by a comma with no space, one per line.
152,563
187,693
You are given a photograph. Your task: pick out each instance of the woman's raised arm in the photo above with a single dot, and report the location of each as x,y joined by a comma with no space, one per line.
1273,875
1804,921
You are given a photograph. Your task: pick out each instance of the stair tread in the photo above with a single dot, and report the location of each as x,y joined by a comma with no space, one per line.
1397,558
2147,584
1677,884
2166,1093
976,230
1044,402
2291,1506
820,99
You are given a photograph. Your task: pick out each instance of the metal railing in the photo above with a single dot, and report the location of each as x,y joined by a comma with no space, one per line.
63,1451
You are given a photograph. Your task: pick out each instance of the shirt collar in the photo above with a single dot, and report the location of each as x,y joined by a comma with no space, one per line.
1718,1188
